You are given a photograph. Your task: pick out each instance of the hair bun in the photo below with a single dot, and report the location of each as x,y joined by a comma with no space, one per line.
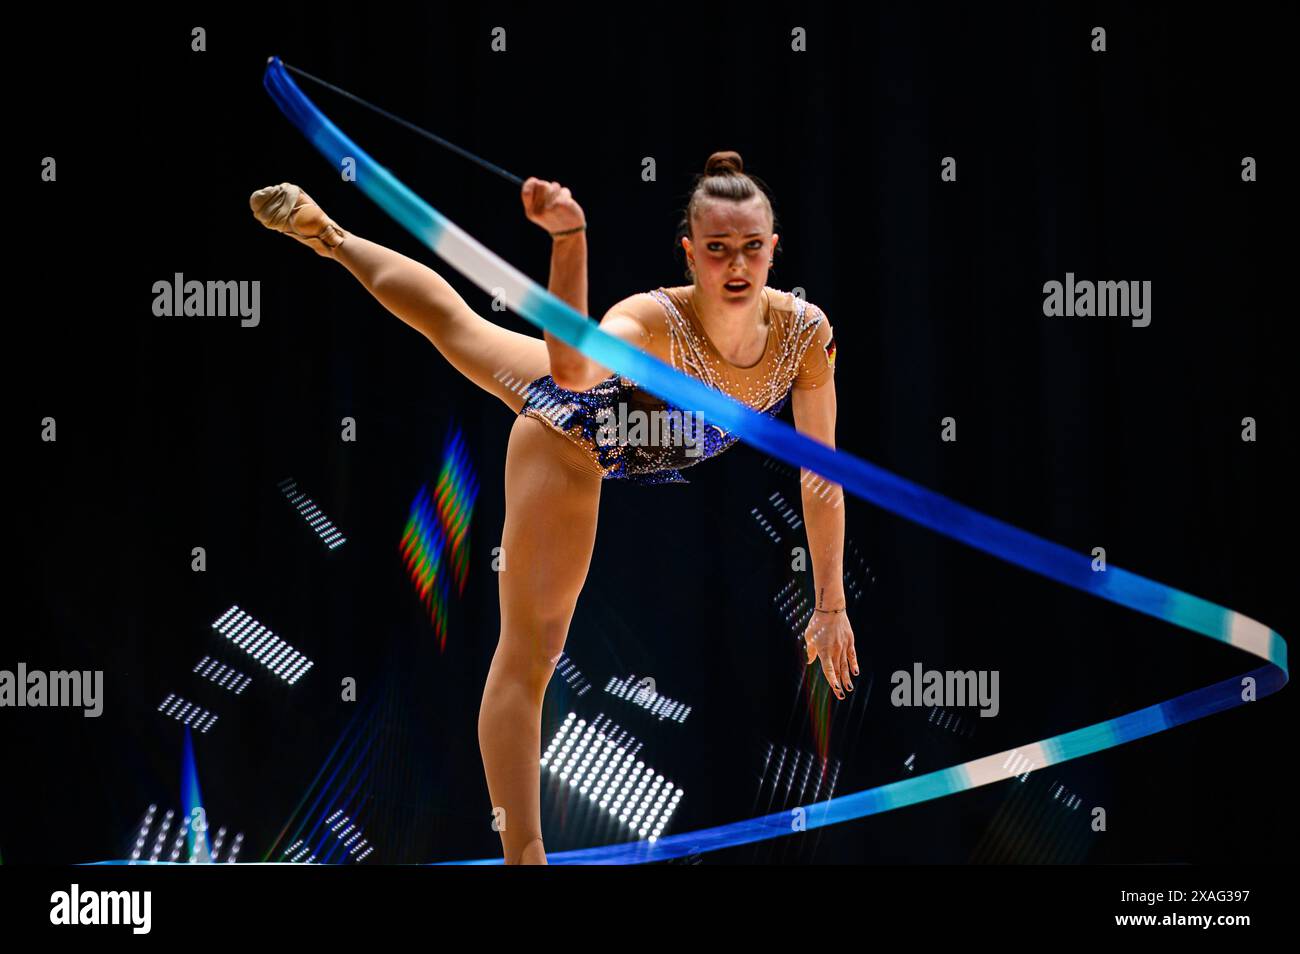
724,163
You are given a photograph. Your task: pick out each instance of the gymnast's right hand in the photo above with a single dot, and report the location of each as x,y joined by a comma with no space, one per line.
551,206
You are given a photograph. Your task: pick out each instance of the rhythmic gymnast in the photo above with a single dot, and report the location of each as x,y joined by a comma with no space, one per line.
727,328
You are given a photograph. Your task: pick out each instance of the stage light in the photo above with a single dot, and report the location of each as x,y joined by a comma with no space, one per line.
599,761
342,831
299,853
1070,801
657,704
348,834
197,851
222,675
764,525
187,713
262,645
570,673
316,519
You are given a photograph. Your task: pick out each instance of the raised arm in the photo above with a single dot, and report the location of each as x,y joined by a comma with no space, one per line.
553,207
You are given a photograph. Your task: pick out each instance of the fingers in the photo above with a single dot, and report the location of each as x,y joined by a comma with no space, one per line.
853,657
843,669
539,195
529,194
828,664
828,668
544,196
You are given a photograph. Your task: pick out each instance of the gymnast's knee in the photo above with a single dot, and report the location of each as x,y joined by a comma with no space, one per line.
534,648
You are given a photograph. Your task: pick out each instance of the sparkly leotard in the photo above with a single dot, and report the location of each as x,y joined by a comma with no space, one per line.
631,434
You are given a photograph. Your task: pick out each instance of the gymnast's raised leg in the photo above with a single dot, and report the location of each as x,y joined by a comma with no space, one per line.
552,500
495,358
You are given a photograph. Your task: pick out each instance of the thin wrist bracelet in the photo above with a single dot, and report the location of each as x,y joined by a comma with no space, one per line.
840,610
580,228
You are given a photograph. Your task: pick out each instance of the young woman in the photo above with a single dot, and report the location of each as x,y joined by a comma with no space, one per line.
726,328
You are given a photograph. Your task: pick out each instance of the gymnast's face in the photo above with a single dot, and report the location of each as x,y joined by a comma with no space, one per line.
731,251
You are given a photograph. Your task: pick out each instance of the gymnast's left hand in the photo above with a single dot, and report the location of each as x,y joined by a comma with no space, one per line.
551,205
830,638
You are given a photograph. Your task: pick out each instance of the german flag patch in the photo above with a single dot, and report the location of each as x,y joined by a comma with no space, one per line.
830,352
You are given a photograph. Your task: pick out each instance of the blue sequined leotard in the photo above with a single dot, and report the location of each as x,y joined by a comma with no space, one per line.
634,435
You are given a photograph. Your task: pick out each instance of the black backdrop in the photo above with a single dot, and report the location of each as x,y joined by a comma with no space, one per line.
172,433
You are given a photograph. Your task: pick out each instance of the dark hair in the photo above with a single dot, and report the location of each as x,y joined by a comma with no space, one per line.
723,177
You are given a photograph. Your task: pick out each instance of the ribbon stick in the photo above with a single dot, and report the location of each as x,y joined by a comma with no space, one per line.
866,480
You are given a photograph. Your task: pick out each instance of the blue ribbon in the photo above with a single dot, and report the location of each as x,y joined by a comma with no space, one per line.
866,480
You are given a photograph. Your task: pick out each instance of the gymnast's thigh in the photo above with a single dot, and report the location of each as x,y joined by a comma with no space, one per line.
552,503
497,359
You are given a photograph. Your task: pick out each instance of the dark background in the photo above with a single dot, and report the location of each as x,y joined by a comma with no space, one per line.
172,433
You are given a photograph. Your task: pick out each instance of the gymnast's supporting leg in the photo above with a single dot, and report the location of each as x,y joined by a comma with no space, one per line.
552,501
495,358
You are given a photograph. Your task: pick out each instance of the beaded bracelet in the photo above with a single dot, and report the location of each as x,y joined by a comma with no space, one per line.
580,228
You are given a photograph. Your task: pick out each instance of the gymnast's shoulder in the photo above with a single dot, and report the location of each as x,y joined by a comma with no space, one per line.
789,307
646,311
809,331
